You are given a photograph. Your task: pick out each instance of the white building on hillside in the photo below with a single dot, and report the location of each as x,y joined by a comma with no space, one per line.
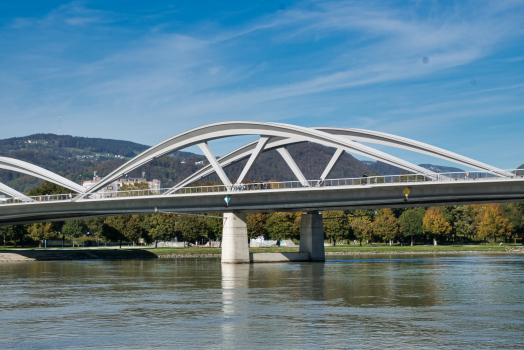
114,186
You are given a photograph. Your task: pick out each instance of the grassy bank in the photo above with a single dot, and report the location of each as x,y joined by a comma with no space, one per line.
345,248
418,248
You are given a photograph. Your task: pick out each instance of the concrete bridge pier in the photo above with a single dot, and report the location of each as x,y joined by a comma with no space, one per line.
312,236
235,247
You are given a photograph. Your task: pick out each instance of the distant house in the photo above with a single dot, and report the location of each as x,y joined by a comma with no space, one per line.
113,187
199,163
183,161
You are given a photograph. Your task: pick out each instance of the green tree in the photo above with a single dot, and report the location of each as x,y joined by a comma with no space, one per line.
192,228
336,225
215,226
411,223
19,232
129,227
161,227
515,214
110,233
74,229
457,216
435,224
494,223
256,225
280,226
48,188
463,223
95,227
386,225
16,233
6,232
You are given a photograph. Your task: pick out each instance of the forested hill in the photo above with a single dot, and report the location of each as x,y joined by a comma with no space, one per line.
78,157
55,143
441,169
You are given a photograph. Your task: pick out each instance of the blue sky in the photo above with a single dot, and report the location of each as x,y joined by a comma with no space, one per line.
443,72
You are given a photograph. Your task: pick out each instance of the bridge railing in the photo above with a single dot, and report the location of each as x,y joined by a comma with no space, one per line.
282,185
41,198
129,193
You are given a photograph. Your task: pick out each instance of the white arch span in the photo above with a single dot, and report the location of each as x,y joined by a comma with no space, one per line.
350,134
200,136
33,170
412,145
14,193
272,136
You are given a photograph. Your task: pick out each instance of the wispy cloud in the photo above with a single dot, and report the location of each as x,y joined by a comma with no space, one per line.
352,63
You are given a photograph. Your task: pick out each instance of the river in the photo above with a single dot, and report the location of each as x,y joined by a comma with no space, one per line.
371,302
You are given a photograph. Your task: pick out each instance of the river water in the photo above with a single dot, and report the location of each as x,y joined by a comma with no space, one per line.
369,301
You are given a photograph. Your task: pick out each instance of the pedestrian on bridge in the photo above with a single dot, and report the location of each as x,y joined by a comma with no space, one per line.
365,180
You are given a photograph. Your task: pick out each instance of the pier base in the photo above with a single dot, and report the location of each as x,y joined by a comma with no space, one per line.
312,236
235,247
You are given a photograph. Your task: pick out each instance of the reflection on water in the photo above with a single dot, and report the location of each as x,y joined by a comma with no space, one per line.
419,302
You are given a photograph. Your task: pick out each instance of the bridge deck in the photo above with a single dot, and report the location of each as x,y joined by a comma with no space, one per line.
356,196
407,179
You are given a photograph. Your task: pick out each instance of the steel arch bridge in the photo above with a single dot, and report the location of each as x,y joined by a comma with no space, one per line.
272,136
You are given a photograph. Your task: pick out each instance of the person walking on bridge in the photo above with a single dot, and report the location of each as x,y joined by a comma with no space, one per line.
365,180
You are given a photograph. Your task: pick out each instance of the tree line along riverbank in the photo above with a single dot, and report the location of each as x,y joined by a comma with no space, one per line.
19,255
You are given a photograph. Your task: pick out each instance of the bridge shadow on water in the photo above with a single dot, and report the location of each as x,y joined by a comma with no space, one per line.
73,254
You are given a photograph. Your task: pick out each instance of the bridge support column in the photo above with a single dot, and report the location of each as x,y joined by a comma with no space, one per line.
235,247
312,236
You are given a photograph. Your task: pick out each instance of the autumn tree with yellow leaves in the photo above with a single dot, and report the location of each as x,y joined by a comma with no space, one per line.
42,230
435,224
386,225
336,226
362,229
493,223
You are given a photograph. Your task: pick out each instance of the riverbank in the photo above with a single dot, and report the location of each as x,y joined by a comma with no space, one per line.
38,254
